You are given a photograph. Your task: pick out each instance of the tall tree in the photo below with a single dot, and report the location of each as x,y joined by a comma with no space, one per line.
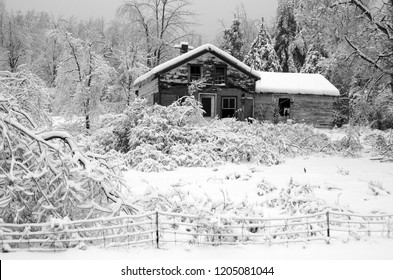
377,50
285,34
161,24
14,41
262,55
82,76
233,41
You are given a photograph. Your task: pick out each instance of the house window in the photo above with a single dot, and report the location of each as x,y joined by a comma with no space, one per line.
195,72
284,105
228,107
219,77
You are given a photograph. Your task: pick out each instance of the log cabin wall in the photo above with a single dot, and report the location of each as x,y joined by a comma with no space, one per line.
174,84
234,77
305,108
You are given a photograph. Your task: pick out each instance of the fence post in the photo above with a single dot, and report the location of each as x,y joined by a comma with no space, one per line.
157,232
328,224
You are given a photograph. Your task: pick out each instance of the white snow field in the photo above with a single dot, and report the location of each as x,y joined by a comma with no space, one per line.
335,180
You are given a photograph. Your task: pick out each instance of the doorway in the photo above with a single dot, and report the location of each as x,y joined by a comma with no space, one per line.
208,104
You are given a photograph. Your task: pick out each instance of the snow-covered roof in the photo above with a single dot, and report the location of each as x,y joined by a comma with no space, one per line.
184,58
295,83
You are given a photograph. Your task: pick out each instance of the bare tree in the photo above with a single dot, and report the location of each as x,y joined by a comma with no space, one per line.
82,75
377,49
162,23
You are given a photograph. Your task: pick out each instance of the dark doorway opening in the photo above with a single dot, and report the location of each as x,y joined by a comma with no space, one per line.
284,105
207,106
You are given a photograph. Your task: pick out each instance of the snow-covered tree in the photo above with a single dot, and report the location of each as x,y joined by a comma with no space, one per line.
161,24
131,66
289,45
41,179
285,34
30,94
316,61
82,77
262,55
233,41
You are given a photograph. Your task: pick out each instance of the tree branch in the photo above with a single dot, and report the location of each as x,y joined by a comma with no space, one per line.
367,58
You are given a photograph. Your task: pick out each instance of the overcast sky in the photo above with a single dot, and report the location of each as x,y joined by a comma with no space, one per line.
210,11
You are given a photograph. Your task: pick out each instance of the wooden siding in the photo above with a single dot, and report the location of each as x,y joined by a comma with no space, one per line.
171,92
149,91
208,61
305,108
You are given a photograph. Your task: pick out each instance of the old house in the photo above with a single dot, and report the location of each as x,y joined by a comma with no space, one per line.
232,89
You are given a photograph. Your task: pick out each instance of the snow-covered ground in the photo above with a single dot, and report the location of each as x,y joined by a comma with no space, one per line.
371,249
335,180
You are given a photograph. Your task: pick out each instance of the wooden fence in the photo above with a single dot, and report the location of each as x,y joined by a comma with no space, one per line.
161,229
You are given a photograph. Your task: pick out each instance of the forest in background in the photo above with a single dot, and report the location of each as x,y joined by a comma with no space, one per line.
87,67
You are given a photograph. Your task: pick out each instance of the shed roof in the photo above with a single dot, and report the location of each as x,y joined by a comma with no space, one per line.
184,58
295,83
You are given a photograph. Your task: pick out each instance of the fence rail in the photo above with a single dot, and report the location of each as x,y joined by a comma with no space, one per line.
162,228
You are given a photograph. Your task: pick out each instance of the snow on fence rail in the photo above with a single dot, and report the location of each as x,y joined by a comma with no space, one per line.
162,228
58,234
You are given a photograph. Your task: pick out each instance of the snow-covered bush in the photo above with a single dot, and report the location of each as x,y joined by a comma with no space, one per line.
177,135
111,134
350,145
382,143
299,199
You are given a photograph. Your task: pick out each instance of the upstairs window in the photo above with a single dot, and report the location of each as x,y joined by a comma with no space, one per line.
220,75
195,72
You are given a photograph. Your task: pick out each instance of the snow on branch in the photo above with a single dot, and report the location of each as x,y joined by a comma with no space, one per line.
41,179
369,59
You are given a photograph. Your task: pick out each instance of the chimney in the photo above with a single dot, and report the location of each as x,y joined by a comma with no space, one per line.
183,47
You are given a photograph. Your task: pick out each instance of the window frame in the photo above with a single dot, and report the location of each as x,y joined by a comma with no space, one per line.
229,103
224,76
192,77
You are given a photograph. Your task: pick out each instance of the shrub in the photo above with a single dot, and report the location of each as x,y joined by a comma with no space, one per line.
350,145
178,135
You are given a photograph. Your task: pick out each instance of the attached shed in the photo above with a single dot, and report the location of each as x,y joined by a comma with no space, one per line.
300,97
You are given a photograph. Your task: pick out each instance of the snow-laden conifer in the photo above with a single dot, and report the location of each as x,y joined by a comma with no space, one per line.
316,61
233,40
262,55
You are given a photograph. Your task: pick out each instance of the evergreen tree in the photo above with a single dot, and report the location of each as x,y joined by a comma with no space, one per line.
262,55
285,35
316,60
233,40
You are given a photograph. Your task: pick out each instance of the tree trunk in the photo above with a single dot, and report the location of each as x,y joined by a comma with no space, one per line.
87,114
391,83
